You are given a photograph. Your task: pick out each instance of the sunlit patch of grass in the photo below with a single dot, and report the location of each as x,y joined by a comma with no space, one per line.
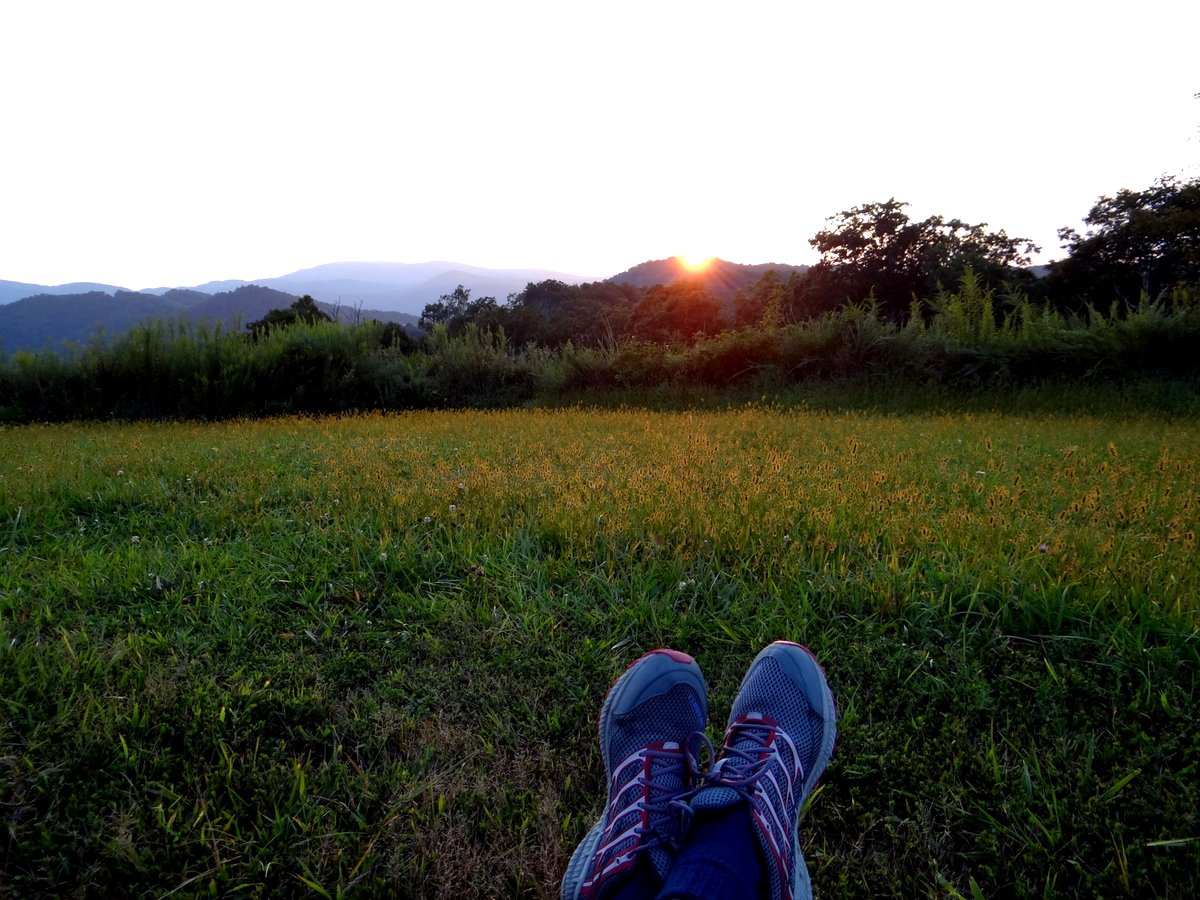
366,654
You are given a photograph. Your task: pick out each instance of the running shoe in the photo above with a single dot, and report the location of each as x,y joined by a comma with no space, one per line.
647,717
780,737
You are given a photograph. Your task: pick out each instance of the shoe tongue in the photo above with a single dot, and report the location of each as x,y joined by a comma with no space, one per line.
659,858
716,797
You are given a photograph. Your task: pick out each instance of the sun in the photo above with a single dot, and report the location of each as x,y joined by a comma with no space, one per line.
695,262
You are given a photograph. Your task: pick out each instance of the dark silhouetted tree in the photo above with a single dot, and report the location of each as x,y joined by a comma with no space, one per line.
1136,242
305,310
456,310
876,250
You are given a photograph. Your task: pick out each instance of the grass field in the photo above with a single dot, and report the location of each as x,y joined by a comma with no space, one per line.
364,656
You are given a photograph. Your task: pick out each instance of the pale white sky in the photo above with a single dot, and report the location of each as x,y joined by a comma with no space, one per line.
170,143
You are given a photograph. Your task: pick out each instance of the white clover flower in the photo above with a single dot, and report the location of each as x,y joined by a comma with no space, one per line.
135,540
427,519
453,508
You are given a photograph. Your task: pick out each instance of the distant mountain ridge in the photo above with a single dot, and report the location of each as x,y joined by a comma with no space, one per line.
397,287
720,278
11,291
49,320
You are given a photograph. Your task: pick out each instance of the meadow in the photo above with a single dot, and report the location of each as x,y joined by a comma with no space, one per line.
364,656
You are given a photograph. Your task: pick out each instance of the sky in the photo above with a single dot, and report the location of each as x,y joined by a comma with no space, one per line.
153,144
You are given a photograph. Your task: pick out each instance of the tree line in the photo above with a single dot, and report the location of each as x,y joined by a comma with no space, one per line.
1136,244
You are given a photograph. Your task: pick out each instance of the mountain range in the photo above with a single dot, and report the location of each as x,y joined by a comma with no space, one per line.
34,316
47,320
396,287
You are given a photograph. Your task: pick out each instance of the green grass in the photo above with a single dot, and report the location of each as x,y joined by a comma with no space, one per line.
364,656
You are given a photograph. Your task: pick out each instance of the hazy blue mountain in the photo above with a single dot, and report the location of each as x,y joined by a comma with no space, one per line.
251,302
18,290
391,286
47,320
406,287
381,286
209,287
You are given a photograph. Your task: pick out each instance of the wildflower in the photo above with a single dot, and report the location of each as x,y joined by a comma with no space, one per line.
453,508
1043,548
687,583
120,473
461,486
383,557
787,538
427,519
135,540
980,472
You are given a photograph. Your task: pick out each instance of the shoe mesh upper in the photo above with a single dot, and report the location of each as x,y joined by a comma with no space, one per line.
773,692
675,713
775,748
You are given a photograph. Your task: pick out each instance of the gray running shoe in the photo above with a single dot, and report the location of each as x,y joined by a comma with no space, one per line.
647,717
781,732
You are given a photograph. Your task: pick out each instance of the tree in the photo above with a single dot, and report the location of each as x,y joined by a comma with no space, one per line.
1136,242
543,313
552,313
456,309
394,336
673,312
304,310
760,305
875,249
446,309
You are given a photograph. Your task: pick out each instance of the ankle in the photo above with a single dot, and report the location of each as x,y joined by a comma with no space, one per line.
722,859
